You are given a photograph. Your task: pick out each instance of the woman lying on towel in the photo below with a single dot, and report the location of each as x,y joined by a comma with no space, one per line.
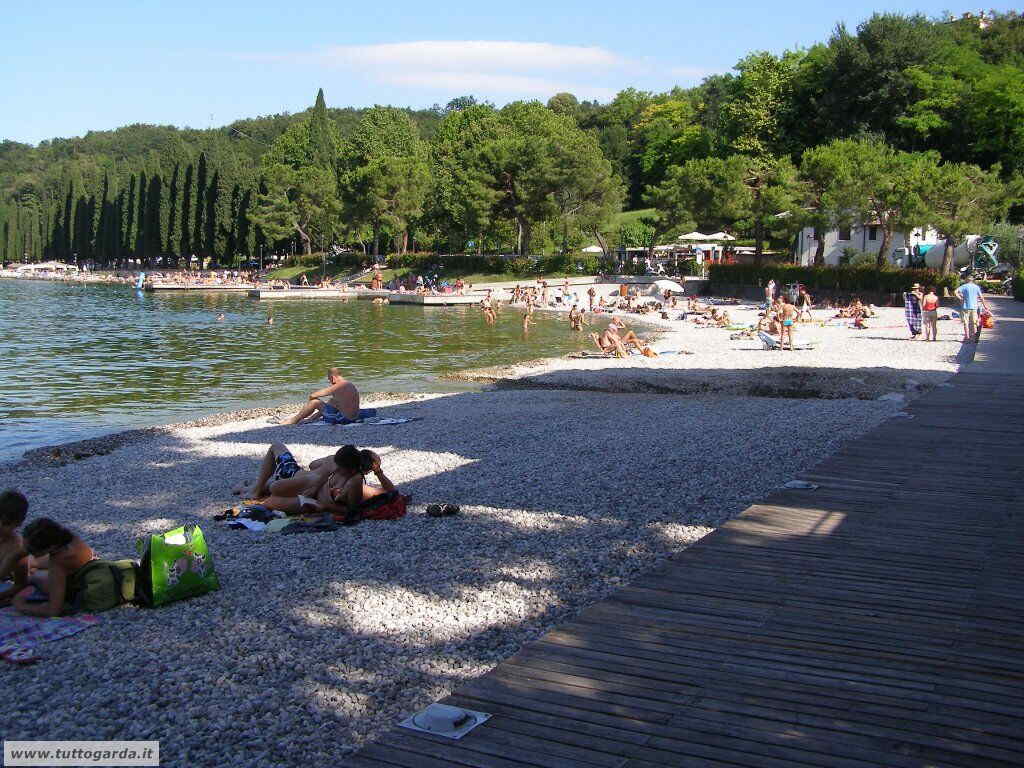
337,488
348,489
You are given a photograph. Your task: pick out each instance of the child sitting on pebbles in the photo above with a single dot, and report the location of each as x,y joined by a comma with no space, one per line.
13,556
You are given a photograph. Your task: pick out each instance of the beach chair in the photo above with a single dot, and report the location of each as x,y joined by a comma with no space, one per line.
769,341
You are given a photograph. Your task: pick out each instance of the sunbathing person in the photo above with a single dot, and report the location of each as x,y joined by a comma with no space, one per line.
346,488
609,343
340,404
626,336
59,555
281,475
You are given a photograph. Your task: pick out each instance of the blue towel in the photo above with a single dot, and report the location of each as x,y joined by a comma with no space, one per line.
333,416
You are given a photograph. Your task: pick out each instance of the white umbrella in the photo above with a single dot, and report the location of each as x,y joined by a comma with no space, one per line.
720,236
593,249
658,287
693,236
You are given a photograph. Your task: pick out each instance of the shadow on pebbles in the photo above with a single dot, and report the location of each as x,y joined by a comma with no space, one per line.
317,642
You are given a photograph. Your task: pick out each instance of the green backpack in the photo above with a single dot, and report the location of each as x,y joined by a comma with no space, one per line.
101,585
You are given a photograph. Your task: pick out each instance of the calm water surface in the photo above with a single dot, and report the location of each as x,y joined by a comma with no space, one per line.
81,361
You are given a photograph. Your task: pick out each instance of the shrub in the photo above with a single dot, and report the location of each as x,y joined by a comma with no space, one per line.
844,279
1018,286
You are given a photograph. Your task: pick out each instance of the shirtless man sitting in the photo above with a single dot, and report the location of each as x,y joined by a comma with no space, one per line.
341,406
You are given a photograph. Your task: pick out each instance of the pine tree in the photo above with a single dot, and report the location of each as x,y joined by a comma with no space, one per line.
185,227
200,210
140,220
322,144
154,200
171,224
128,217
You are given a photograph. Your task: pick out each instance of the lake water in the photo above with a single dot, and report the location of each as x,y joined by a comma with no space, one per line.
86,360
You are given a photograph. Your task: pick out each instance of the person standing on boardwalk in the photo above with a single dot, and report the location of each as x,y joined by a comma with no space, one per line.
930,314
912,310
970,296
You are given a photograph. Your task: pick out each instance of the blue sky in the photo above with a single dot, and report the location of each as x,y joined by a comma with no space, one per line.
71,67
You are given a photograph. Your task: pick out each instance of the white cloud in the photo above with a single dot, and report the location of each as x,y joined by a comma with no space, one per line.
476,56
691,73
492,68
488,83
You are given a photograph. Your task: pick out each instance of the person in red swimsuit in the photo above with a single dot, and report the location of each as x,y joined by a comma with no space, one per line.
930,314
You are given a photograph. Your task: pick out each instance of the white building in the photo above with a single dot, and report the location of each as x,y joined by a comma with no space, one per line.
867,238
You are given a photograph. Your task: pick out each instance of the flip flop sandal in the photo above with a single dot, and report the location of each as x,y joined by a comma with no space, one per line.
434,510
450,509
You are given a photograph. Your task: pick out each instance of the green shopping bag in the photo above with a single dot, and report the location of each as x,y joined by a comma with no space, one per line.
174,566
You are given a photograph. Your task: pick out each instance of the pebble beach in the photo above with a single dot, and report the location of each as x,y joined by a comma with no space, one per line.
573,476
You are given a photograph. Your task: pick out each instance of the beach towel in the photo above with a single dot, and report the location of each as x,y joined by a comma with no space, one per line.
332,415
28,632
912,312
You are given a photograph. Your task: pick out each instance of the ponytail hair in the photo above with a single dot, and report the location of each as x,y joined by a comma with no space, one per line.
352,459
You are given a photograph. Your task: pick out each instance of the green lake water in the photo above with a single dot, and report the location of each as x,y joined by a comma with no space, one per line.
86,360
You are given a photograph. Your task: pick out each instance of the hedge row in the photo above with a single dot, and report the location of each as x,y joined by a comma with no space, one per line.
468,263
866,278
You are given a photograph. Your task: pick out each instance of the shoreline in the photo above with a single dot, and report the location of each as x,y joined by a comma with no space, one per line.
674,375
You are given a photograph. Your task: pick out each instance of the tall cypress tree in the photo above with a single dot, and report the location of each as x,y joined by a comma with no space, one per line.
210,218
63,246
154,200
186,216
321,139
103,224
128,232
171,225
140,220
200,211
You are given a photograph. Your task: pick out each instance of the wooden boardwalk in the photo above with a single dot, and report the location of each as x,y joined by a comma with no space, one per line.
875,621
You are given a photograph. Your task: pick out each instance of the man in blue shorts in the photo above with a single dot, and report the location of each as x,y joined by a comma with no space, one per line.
339,403
970,296
281,475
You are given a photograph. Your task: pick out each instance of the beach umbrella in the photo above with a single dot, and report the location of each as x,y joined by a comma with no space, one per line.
720,236
693,236
658,287
593,249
